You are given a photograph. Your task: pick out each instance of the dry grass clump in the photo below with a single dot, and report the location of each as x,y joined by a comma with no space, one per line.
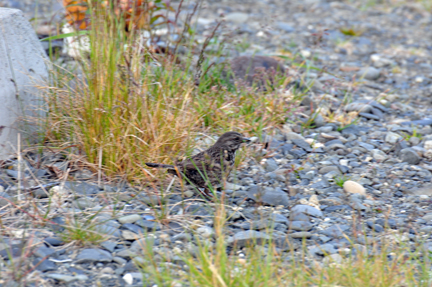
120,106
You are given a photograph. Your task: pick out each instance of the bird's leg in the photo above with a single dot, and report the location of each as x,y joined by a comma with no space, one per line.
206,193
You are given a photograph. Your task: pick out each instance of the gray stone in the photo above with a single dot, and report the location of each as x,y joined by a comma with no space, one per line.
249,237
335,231
268,195
410,156
375,227
333,258
149,225
54,241
369,73
303,144
129,218
67,278
108,229
139,244
44,251
378,113
390,223
44,265
423,122
82,187
92,255
23,67
370,116
358,107
285,26
206,231
357,205
392,137
292,135
279,218
133,227
83,203
255,224
300,225
5,199
423,190
324,249
378,155
270,165
329,168
109,245
307,210
237,17
367,146
301,234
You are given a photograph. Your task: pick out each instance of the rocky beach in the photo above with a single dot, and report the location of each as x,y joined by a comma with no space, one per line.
352,169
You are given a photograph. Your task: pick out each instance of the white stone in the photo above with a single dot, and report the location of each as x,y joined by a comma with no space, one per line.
305,53
428,144
354,187
237,17
233,186
205,231
129,218
419,79
392,137
75,46
129,235
333,258
378,155
128,278
23,65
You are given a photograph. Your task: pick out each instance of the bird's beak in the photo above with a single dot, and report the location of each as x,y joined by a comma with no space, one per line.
246,140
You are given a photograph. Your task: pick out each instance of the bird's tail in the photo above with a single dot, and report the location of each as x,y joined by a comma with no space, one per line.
159,165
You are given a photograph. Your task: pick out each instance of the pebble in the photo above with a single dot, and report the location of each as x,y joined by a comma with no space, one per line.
67,278
428,144
300,225
335,231
370,116
285,26
300,235
354,187
244,238
5,199
270,196
93,255
409,155
237,17
270,165
333,258
378,155
306,210
129,218
205,231
358,107
389,172
392,138
324,249
369,73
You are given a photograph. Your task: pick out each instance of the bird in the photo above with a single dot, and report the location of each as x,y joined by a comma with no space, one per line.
209,167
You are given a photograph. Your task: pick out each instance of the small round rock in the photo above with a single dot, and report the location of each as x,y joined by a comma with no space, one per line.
354,187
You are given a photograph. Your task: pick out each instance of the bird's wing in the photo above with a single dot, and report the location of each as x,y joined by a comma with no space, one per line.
201,161
205,162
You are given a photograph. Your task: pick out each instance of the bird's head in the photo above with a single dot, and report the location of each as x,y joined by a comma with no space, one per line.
231,141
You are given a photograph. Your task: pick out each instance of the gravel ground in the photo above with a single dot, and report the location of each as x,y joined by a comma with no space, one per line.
383,161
